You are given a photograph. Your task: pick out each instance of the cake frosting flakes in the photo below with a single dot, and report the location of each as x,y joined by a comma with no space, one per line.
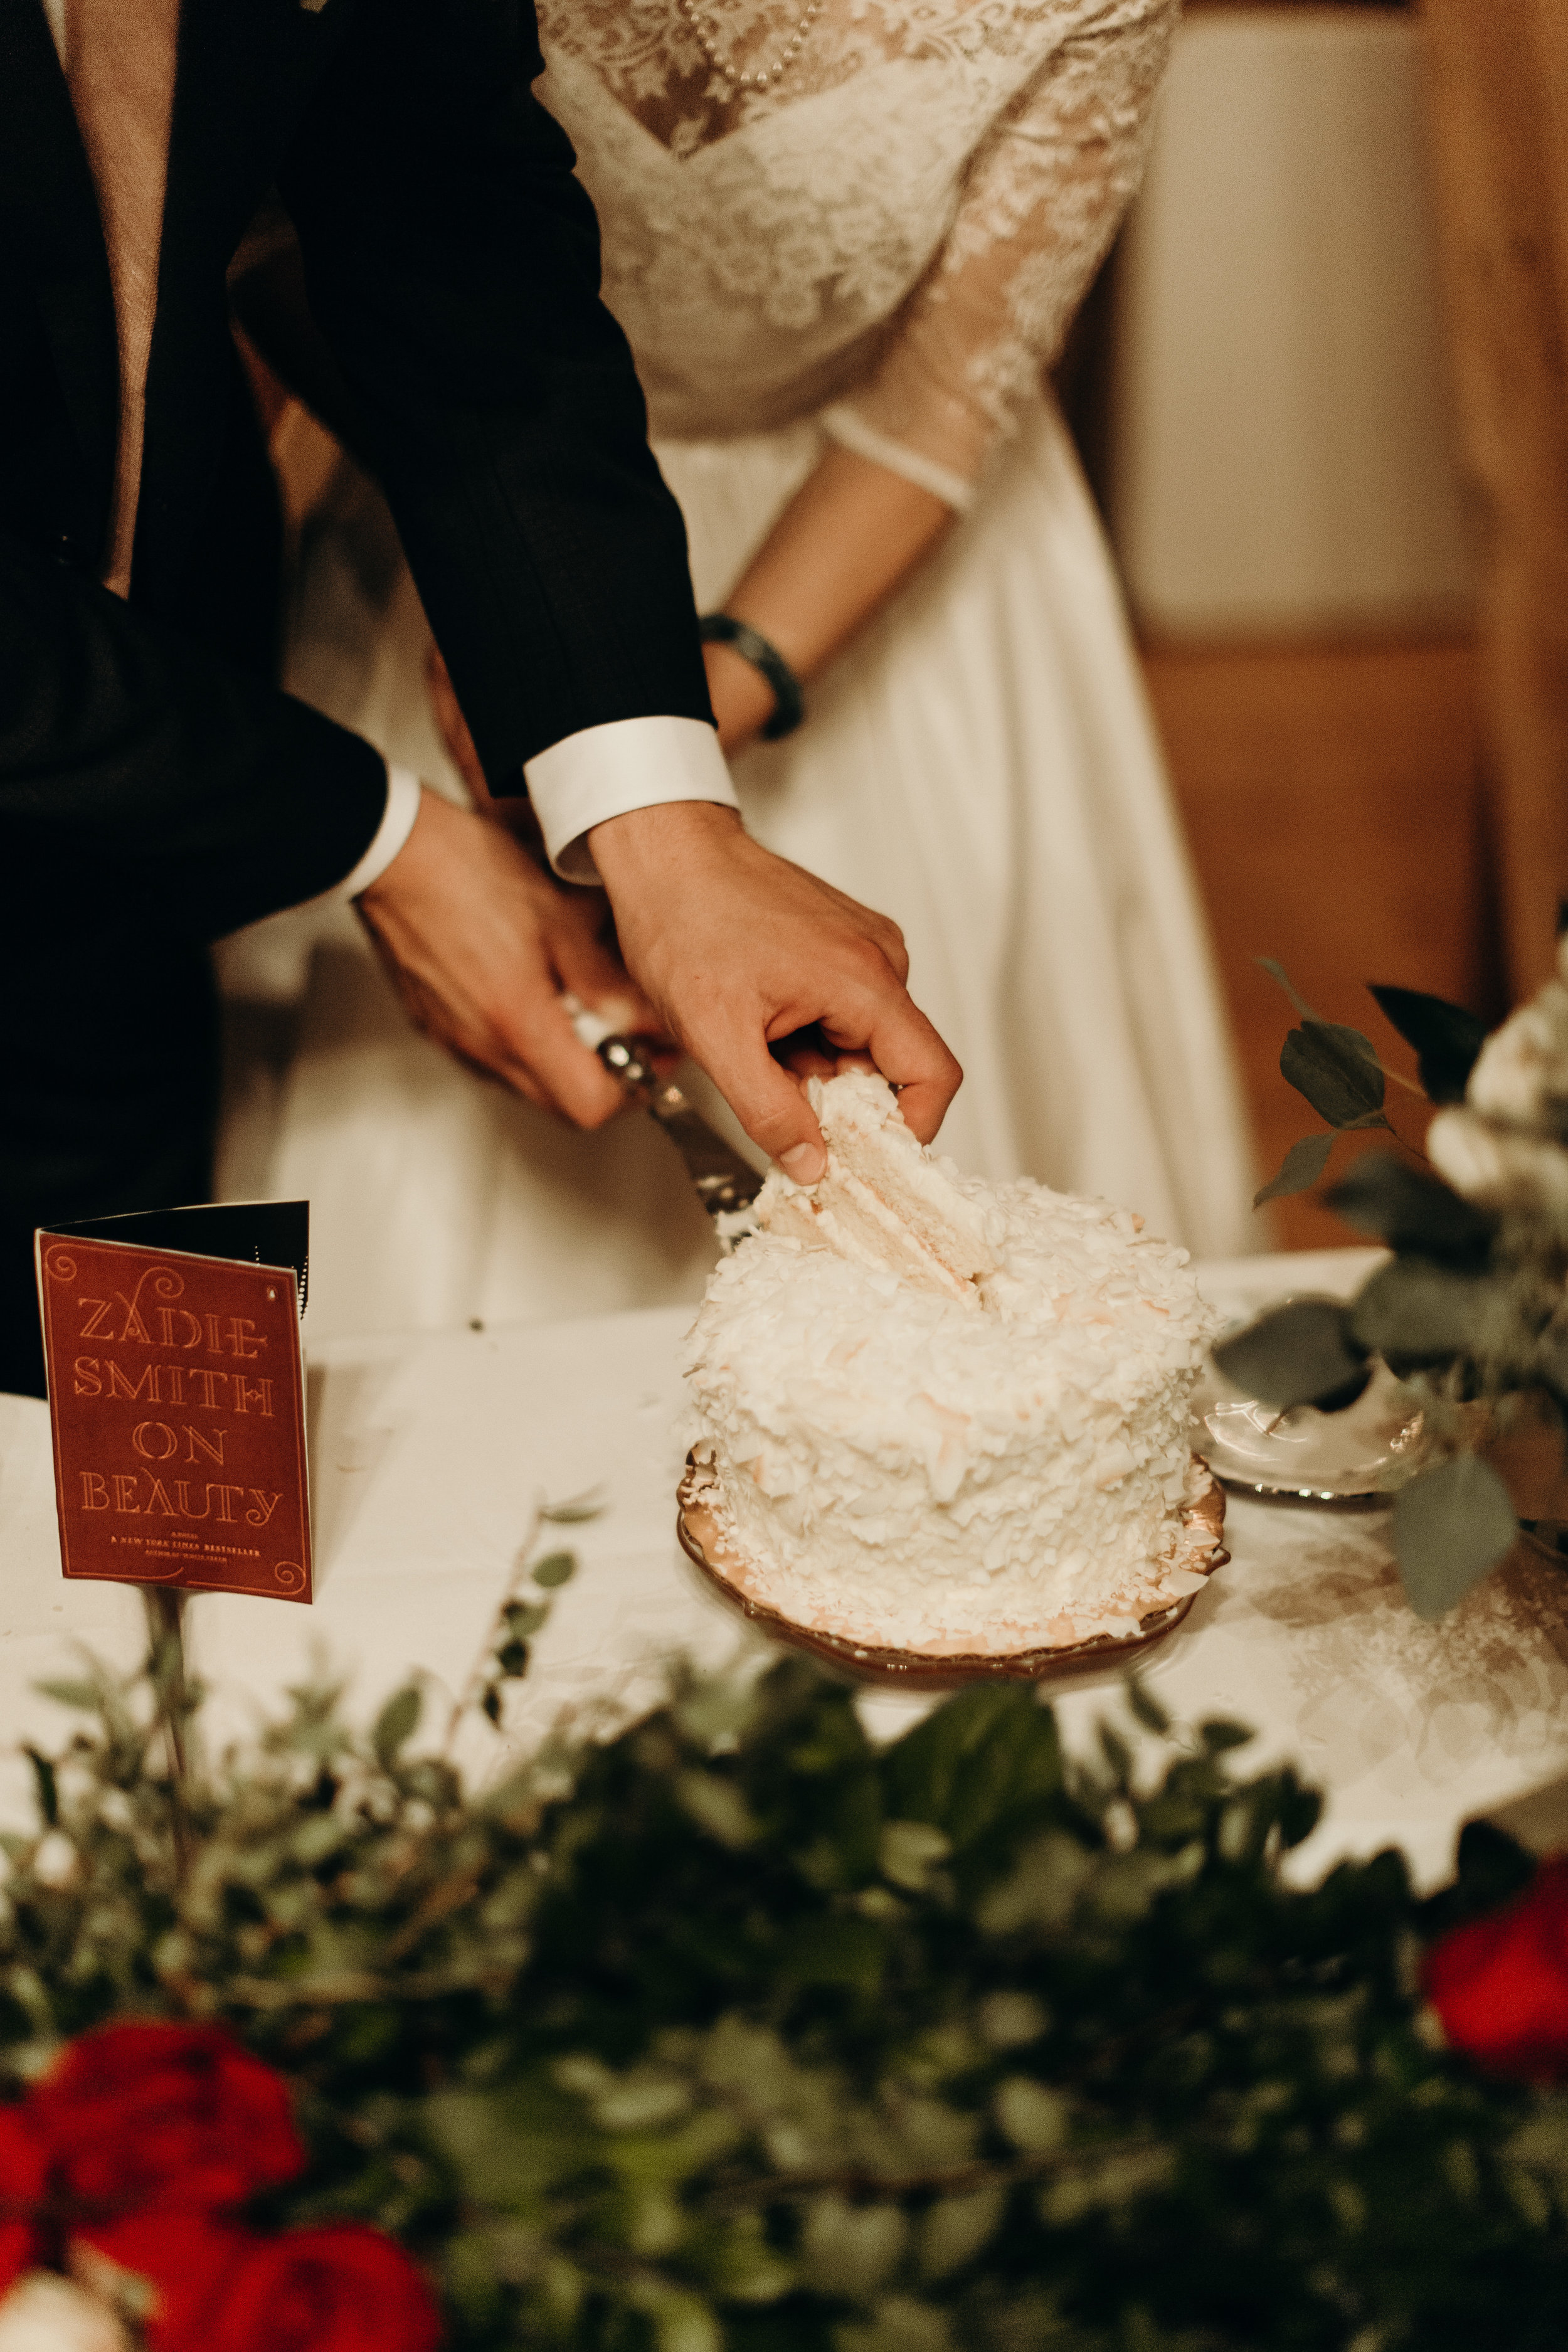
946,1417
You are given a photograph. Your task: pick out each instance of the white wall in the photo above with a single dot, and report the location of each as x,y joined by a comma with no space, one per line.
1281,452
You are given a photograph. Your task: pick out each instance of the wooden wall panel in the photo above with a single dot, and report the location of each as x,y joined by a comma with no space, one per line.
1334,802
1498,91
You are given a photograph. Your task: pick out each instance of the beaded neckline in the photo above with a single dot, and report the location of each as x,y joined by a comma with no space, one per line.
703,20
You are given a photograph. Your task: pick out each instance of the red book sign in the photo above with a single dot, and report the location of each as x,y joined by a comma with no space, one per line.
178,1414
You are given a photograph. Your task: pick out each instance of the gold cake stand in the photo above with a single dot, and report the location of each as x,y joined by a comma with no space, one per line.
703,1545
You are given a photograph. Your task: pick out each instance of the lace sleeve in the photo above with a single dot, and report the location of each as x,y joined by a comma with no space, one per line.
1041,201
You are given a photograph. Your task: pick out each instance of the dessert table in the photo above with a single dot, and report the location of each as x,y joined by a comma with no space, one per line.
430,1453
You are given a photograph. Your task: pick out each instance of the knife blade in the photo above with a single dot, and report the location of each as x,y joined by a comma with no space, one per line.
724,1182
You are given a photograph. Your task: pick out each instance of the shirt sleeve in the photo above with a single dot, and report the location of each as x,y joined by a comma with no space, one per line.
403,789
604,771
1040,203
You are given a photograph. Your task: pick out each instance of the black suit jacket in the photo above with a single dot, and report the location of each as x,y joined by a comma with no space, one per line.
452,265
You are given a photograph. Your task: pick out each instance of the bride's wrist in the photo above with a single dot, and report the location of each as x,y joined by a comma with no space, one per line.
742,700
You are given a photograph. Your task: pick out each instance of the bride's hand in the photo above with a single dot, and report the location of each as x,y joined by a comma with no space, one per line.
740,951
482,945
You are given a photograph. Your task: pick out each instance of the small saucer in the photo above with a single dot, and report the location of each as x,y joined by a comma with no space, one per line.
915,1670
1317,1456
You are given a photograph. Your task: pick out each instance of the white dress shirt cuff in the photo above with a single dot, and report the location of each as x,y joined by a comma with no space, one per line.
402,789
604,771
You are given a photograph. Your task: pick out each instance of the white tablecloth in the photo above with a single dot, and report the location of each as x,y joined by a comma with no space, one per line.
429,1454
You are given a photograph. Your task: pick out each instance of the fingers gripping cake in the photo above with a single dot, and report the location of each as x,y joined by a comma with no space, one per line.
944,1418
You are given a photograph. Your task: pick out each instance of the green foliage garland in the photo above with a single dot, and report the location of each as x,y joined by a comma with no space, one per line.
732,2029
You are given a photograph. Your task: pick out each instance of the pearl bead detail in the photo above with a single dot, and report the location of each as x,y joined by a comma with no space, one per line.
702,19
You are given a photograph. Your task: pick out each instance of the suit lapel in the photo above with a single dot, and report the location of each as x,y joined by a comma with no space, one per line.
55,239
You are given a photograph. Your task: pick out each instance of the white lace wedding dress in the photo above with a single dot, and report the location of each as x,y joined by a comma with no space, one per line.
884,246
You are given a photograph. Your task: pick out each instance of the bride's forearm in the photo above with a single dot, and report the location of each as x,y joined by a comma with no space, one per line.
852,533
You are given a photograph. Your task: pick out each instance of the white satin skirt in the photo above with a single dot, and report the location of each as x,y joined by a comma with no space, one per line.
980,765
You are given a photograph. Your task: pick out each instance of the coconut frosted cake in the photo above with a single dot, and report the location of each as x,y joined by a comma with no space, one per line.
947,1417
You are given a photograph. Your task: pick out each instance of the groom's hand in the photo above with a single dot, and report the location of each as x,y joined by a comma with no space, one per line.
481,944
738,949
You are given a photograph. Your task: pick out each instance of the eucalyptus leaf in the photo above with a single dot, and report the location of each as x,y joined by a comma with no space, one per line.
1007,2021
955,2229
1034,2116
1448,1039
1301,1811
1300,1353
396,1723
469,2274
575,1509
965,1769
1336,1069
1382,1196
1040,1892
524,1618
1299,1169
718,1806
1113,2184
1145,1708
849,2250
1417,1314
86,1697
1450,1526
742,2266
910,1851
682,2323
47,1786
503,2146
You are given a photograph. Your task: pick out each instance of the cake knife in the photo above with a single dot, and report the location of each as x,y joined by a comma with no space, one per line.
724,1180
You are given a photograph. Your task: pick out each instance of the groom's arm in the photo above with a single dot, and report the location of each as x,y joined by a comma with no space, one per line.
452,262
124,746
452,265
129,753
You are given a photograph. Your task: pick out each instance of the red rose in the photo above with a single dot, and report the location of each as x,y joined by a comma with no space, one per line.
186,2259
346,2289
16,2251
23,2175
217,2288
1501,1984
141,2115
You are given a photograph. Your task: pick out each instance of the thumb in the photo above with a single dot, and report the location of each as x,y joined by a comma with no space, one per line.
769,1103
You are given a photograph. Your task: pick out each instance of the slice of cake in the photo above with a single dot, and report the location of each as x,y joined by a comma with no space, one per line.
946,1418
884,1202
